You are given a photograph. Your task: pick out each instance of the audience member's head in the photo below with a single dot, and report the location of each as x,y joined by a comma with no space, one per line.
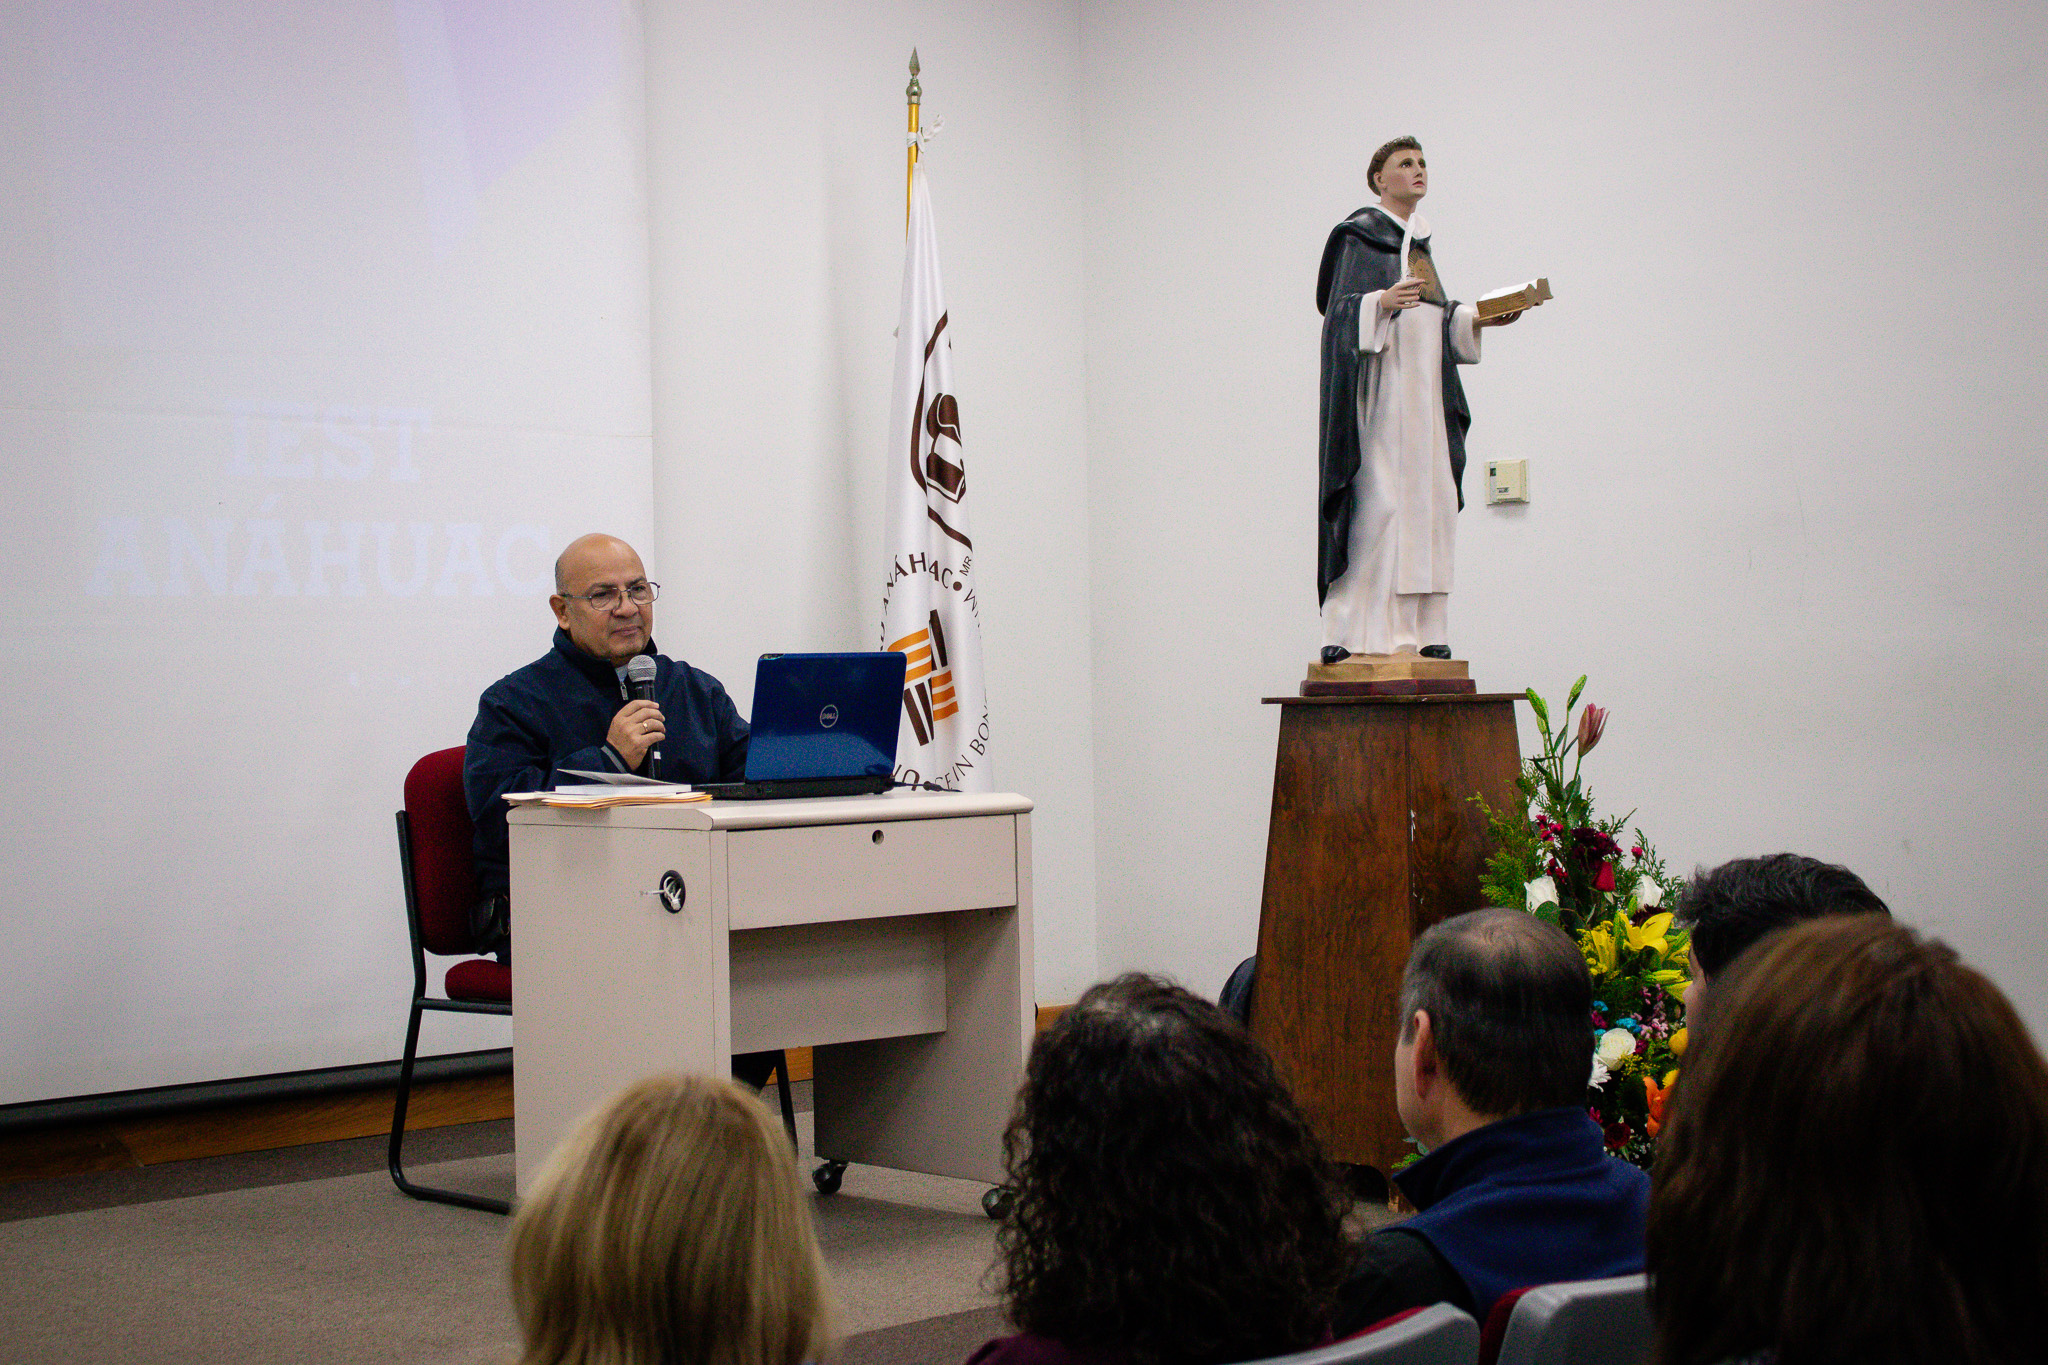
669,1228
1171,1202
1855,1166
1494,1010
1737,903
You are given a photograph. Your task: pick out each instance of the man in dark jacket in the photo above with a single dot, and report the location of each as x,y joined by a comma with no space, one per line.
1490,1076
568,709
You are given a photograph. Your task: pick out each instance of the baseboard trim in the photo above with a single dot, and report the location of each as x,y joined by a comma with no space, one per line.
283,1085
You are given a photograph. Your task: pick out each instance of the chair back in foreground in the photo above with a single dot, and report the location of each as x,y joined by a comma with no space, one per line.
1436,1335
438,868
1584,1322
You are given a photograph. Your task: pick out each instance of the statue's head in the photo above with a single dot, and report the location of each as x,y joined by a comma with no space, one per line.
1379,160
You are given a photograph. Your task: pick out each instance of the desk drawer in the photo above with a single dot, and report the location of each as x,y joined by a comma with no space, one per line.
812,873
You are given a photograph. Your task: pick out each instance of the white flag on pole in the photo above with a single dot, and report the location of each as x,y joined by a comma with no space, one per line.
929,609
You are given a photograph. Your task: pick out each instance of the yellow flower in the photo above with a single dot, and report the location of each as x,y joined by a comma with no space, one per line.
1649,934
1668,976
1598,946
1677,1044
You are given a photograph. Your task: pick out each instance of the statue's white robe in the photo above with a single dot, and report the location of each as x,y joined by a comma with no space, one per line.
1393,595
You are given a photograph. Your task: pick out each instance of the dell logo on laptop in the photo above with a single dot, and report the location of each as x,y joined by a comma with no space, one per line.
829,717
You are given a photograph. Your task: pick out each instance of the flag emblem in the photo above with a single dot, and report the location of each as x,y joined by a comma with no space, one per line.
928,694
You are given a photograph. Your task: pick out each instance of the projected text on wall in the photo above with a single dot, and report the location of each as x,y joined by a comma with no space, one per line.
274,447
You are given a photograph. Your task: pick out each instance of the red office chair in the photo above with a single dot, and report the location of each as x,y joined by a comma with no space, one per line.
434,833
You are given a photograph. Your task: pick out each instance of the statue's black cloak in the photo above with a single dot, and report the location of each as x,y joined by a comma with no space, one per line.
1359,259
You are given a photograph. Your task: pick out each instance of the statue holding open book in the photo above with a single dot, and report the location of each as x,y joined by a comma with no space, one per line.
1393,420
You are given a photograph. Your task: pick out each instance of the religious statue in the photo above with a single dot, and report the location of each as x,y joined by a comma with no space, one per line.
1393,421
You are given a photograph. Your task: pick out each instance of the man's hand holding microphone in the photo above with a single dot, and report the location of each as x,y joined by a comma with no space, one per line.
638,726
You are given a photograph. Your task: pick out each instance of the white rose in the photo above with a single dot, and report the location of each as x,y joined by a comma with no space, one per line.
1541,892
1614,1045
1649,894
1600,1074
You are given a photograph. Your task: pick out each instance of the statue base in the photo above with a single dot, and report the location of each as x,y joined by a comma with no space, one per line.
1387,675
1373,838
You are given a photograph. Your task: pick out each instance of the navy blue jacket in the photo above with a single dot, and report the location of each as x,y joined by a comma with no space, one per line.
553,714
1530,1200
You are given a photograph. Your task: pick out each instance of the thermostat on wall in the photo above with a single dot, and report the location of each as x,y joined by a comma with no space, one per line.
1507,481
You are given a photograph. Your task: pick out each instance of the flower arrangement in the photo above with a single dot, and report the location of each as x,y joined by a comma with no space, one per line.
1562,863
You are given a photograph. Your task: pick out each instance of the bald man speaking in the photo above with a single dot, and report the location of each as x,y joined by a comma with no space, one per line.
569,709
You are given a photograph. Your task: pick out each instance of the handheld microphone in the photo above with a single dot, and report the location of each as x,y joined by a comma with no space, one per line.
640,687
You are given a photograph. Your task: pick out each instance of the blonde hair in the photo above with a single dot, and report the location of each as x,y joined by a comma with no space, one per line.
668,1230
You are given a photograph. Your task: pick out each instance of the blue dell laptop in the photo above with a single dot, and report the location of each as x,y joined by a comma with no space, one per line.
823,725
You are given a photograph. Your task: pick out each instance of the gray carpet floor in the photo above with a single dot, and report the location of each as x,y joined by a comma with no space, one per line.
308,1257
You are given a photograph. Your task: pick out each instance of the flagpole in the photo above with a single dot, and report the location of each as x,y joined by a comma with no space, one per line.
913,93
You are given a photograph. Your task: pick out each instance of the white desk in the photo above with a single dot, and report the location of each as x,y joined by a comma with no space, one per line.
893,933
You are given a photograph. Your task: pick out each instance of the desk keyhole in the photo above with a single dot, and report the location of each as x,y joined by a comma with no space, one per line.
877,836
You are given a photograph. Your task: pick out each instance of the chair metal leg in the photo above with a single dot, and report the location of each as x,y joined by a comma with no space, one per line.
392,1153
788,1104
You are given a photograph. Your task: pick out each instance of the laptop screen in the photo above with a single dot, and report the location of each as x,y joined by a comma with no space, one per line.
825,715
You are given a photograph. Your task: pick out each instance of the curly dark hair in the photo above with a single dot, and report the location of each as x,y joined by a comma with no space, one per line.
1172,1204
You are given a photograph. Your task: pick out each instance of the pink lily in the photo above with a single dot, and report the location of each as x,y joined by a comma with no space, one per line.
1592,721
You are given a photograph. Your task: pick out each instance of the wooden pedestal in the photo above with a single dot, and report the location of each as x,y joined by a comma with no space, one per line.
1374,838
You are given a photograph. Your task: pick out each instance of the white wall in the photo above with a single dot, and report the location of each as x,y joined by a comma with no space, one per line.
1781,420
283,273
776,185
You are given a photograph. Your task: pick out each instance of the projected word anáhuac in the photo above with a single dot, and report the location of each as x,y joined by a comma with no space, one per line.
314,456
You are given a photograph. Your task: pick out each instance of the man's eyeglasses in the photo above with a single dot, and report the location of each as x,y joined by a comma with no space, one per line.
604,599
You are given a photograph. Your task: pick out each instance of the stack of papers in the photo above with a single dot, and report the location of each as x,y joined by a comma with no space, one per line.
598,795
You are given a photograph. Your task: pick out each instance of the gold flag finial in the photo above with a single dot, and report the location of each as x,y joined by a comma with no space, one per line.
912,92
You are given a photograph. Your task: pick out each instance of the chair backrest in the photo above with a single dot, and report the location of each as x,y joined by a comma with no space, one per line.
1585,1322
1436,1335
438,836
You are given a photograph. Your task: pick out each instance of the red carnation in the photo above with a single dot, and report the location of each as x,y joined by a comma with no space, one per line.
1605,881
1592,846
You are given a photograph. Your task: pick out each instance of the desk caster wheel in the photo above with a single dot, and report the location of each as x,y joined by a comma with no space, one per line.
998,1201
828,1175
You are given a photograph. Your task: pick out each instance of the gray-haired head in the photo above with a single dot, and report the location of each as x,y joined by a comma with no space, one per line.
1509,1002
